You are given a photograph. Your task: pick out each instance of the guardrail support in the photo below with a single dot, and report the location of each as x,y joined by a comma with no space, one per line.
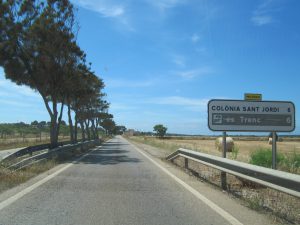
186,163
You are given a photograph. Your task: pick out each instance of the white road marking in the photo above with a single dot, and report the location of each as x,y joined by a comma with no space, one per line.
27,190
232,220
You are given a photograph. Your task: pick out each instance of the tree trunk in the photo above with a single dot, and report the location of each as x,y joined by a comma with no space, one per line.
72,139
55,120
96,127
60,118
87,124
53,132
93,129
75,129
82,130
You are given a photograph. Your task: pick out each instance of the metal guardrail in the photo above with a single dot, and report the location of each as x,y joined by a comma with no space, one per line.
278,180
51,153
31,149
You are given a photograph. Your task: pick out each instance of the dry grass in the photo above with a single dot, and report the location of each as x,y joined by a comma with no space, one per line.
11,179
245,148
11,143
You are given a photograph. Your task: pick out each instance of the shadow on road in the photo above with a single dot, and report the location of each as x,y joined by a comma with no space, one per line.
114,144
108,156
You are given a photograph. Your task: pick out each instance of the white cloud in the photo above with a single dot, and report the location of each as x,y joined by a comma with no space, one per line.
120,107
190,74
163,5
262,20
11,89
112,9
119,83
195,38
180,101
189,104
14,103
16,95
104,7
263,14
179,60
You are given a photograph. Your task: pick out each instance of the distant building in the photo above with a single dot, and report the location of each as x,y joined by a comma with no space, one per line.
130,132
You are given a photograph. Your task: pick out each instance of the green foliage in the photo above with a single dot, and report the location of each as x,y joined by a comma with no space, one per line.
160,130
23,129
235,152
263,157
120,129
292,162
109,125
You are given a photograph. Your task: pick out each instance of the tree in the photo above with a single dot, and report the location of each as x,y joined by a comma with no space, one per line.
35,123
108,125
38,49
36,39
42,124
63,123
160,130
87,102
120,129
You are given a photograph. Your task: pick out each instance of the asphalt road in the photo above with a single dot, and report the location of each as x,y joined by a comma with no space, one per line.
114,184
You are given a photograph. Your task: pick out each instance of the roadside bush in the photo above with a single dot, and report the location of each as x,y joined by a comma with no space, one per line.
292,162
263,157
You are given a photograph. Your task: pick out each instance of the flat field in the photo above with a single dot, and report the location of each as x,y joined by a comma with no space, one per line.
18,142
246,146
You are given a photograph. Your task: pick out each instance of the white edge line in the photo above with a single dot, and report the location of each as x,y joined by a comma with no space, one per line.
232,220
27,190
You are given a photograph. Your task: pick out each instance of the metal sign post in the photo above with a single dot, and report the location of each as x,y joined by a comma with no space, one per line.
223,174
274,151
224,145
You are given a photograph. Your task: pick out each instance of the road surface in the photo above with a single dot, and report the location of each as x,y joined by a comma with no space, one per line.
113,185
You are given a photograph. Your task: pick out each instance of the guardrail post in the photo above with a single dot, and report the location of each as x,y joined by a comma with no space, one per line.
186,163
223,174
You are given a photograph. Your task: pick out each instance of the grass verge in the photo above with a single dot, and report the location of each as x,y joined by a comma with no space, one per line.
10,179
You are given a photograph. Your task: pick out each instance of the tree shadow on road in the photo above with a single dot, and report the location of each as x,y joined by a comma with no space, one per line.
108,157
114,144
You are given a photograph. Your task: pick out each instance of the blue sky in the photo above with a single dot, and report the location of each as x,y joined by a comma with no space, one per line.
162,60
